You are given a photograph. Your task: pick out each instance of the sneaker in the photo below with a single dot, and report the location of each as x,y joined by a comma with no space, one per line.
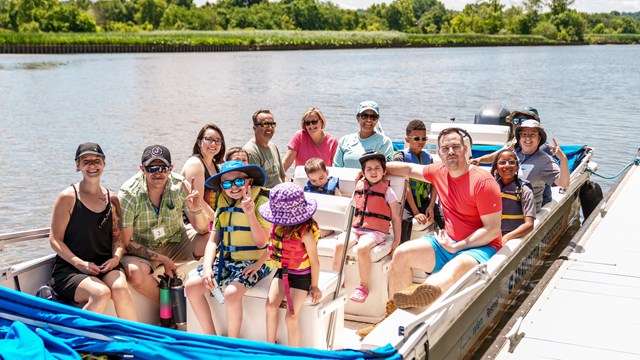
360,294
365,331
416,296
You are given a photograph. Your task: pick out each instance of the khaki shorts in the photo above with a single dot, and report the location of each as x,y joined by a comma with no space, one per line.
177,251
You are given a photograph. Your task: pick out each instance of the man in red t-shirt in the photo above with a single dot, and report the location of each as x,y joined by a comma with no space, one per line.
472,208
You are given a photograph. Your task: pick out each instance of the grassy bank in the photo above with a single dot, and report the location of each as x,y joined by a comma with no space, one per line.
258,38
613,38
242,40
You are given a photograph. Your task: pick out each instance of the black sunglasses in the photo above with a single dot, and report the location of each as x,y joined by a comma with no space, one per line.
418,138
369,116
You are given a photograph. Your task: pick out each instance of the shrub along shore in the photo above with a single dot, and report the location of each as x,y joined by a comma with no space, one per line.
255,40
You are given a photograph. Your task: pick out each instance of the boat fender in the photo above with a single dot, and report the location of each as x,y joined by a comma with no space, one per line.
590,197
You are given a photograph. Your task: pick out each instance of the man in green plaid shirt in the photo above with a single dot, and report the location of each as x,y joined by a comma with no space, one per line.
153,232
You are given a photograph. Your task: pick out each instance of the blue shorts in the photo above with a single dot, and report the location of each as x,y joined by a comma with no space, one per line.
232,271
482,254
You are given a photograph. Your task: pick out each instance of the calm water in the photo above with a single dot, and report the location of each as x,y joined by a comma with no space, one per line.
49,104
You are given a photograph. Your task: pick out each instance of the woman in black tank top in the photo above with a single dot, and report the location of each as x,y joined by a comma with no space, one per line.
86,239
208,153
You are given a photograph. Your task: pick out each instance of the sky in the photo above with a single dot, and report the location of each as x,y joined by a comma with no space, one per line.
590,6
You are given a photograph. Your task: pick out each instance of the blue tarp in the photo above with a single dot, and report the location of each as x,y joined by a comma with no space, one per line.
44,340
574,152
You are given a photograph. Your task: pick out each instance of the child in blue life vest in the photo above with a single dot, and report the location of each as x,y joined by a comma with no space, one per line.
293,239
238,240
319,180
321,183
421,196
518,204
376,207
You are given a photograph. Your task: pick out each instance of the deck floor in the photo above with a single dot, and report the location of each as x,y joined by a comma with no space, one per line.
591,307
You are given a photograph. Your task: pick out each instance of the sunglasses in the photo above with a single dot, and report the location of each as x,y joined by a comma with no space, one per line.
267,124
373,117
311,122
157,168
227,184
519,120
505,162
418,138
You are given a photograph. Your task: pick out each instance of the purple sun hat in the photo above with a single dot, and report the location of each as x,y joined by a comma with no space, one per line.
287,205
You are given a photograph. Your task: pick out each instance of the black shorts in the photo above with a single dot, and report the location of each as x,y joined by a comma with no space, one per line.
66,279
302,282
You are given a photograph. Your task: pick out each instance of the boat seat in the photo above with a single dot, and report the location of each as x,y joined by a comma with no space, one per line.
331,215
312,316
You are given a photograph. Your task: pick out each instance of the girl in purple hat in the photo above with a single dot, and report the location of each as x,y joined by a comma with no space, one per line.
293,239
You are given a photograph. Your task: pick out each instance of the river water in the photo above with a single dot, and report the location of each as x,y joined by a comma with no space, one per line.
51,103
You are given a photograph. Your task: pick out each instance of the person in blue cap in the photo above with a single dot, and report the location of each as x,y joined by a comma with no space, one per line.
352,146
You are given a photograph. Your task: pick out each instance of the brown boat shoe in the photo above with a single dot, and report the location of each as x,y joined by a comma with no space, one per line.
365,331
416,296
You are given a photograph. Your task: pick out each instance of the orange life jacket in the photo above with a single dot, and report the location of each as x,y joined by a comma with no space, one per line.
372,210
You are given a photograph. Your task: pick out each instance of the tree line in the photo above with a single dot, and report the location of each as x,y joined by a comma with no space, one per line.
553,19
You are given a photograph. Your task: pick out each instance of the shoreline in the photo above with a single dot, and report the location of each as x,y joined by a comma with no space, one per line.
261,40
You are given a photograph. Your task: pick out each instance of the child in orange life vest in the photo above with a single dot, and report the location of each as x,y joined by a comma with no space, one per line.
293,239
376,206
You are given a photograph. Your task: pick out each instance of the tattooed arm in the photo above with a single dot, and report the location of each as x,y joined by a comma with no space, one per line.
141,251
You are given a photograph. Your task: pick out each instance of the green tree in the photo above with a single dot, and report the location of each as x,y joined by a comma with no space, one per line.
570,22
624,25
150,12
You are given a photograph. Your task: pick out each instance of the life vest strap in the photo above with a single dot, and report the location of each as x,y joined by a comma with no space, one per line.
287,290
228,248
370,214
231,209
369,192
512,217
234,228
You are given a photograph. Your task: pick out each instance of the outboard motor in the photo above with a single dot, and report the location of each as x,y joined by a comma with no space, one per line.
493,114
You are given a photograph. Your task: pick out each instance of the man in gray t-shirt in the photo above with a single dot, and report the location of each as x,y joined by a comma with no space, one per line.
262,151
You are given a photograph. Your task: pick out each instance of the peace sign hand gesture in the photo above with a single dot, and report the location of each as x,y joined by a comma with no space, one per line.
556,150
193,197
248,206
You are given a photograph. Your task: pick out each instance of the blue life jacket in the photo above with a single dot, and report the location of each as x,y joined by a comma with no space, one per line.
329,188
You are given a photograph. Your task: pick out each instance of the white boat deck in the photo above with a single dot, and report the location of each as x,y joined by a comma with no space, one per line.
590,308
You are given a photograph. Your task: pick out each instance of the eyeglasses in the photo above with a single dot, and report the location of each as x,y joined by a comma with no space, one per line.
455,148
310,122
227,184
157,168
505,162
373,117
209,140
519,120
267,124
418,138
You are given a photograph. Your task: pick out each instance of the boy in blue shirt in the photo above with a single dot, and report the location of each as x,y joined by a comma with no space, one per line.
421,196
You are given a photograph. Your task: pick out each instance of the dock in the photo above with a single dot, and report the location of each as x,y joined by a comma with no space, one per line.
588,305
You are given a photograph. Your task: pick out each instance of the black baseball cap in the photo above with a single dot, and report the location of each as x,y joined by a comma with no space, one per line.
156,152
89,148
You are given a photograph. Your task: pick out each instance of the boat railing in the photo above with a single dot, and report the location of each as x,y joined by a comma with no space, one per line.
477,276
19,236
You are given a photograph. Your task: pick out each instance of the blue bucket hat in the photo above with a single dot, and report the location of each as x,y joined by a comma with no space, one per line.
253,171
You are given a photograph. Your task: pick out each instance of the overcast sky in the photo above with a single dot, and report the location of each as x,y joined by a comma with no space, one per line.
592,6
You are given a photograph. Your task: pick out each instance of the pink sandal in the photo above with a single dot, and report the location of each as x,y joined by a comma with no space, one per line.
360,294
